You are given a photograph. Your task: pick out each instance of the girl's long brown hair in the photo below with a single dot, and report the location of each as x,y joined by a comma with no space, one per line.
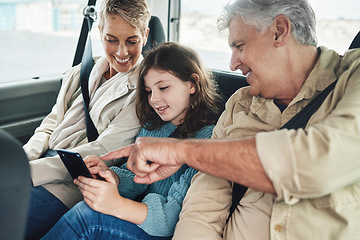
182,62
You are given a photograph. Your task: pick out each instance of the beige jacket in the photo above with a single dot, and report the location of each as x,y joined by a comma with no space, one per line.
315,171
113,115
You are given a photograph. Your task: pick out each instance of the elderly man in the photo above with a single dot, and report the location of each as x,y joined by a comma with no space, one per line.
304,183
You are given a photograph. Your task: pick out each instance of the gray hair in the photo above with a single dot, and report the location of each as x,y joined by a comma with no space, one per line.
136,12
261,14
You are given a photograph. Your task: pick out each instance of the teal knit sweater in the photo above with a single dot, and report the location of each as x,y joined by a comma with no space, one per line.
163,198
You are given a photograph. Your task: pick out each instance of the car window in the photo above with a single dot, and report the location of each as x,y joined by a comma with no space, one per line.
38,38
337,24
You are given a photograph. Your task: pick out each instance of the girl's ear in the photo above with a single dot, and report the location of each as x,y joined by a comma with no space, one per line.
196,78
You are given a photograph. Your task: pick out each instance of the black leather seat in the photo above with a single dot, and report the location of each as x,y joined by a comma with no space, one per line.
156,34
228,83
356,42
15,184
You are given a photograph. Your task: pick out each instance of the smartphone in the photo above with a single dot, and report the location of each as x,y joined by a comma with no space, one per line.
75,164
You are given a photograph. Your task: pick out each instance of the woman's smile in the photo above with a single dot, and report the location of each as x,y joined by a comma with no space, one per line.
122,60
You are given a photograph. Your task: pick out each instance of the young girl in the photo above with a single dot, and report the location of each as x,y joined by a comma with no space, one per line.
175,98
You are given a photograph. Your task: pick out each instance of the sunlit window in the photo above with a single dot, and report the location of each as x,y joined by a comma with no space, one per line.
338,22
38,38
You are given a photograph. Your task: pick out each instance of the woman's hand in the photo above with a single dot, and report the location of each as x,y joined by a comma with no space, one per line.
96,165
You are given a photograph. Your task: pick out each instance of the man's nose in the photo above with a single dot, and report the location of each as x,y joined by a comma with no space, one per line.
235,62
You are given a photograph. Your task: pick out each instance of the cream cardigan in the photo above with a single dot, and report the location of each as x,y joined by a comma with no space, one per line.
112,109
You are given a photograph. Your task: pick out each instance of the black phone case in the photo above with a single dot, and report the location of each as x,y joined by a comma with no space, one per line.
74,164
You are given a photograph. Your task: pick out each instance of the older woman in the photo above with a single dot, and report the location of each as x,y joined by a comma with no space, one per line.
123,27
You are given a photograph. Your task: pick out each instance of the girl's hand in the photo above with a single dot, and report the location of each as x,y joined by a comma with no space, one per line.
102,196
96,165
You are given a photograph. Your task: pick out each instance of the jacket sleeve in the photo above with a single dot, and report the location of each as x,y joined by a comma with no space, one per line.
163,211
39,142
206,205
205,208
50,169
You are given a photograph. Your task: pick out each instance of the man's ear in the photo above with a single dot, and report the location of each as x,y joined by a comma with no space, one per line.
282,30
196,79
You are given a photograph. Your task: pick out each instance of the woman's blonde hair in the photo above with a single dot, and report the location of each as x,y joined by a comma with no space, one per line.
136,12
182,62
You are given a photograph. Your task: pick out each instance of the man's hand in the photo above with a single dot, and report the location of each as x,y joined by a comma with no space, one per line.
151,159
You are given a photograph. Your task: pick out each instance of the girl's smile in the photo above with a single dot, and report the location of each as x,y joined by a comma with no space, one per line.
168,95
161,110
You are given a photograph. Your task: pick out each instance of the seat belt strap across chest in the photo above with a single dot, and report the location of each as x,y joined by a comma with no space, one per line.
86,67
296,122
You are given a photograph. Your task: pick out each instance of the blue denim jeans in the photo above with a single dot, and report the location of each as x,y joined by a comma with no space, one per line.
44,211
81,222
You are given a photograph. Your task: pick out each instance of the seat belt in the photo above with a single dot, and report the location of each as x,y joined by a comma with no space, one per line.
85,54
86,67
83,35
296,122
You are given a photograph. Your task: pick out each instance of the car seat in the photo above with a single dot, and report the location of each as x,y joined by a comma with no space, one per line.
15,185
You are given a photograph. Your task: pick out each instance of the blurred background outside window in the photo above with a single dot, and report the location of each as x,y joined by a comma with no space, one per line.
39,37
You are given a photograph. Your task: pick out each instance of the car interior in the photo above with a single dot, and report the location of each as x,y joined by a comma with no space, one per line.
23,104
